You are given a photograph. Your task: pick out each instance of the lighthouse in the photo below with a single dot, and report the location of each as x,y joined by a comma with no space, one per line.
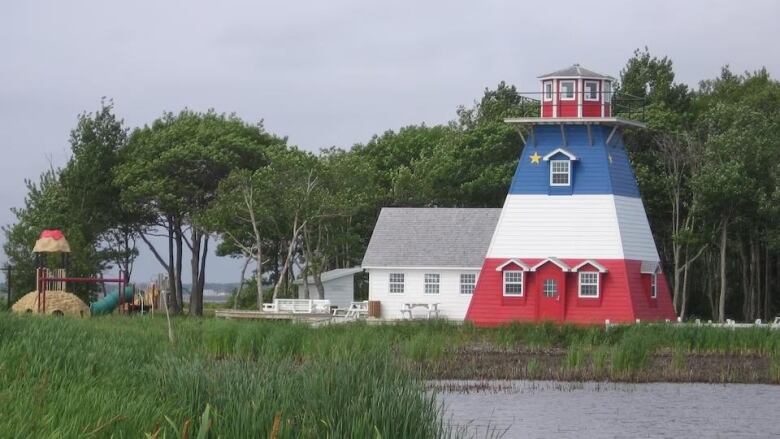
572,242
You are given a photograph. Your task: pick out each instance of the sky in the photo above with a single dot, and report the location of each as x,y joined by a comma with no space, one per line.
326,73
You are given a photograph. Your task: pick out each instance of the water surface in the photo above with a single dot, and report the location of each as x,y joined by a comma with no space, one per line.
549,409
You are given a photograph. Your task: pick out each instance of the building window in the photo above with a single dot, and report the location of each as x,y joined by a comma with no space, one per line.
591,91
431,283
467,283
589,284
550,288
567,90
513,283
654,285
548,90
560,172
396,283
607,91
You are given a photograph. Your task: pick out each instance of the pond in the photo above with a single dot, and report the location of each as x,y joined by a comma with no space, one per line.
549,409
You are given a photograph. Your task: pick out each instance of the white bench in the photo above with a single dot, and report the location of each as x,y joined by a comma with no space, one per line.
432,308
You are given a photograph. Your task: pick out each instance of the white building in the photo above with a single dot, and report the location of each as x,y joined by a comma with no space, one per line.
339,286
427,255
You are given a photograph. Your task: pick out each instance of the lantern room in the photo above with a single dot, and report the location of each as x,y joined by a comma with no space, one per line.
576,92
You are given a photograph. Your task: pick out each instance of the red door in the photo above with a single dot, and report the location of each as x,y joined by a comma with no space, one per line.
551,293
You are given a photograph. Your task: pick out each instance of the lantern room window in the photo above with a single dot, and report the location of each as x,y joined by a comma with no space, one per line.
560,172
548,90
589,284
567,90
591,91
607,91
513,283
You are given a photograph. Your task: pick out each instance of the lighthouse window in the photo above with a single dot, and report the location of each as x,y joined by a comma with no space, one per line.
591,91
513,283
567,90
548,91
431,285
654,285
560,172
589,284
396,283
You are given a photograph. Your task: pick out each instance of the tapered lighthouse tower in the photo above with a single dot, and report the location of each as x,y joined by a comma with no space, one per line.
573,243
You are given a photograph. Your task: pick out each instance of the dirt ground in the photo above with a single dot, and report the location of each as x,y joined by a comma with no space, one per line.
491,363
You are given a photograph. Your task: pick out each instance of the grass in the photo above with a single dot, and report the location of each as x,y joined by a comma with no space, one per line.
121,377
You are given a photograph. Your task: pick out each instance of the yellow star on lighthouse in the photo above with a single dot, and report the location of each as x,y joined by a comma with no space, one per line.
535,158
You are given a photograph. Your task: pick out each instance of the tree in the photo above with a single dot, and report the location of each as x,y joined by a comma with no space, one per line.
172,169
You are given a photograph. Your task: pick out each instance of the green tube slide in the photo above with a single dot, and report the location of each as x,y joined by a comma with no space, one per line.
107,304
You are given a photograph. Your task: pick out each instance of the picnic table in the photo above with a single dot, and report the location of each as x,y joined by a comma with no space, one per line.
355,311
432,309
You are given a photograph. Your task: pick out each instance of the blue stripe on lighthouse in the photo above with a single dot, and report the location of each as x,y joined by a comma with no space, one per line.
599,168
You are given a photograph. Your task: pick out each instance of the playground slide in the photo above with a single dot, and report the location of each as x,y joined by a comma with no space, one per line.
107,304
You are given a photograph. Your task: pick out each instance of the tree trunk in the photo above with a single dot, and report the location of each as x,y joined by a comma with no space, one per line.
259,275
684,293
746,280
288,258
318,283
722,297
202,278
237,297
195,298
177,233
176,305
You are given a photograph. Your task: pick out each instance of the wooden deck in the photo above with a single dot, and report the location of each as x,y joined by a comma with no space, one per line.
261,315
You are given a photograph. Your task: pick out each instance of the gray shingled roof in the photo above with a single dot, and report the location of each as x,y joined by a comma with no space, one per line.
431,237
576,70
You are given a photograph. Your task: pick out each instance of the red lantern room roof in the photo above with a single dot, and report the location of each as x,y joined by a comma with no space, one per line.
576,71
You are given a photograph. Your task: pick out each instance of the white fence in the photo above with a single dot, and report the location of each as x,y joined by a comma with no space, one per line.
298,306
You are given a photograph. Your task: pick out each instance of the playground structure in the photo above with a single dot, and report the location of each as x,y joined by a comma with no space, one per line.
51,295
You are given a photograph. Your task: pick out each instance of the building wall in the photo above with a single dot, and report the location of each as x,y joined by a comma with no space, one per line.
622,298
452,304
340,291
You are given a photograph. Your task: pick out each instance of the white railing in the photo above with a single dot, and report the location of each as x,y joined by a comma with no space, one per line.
298,306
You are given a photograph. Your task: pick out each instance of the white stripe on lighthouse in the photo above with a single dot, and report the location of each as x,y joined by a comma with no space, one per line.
573,226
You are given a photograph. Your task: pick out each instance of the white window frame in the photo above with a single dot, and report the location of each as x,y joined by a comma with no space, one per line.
545,287
585,91
431,283
654,285
607,92
514,282
553,172
396,285
468,287
581,284
547,96
573,90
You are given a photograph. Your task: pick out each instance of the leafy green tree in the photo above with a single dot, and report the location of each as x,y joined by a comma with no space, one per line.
172,169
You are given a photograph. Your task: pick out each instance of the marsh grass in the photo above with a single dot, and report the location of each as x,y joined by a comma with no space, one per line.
121,377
